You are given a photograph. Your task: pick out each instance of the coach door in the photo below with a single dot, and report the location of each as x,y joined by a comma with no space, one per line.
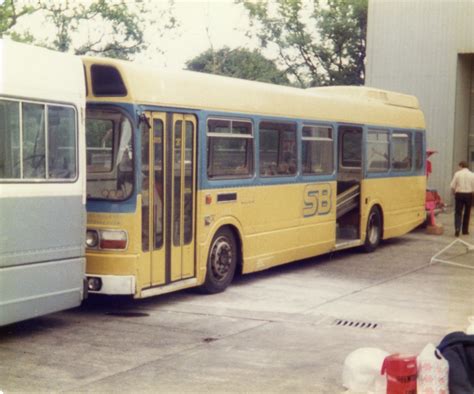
172,155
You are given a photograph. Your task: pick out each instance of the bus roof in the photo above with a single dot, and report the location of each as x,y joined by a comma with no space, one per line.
40,74
148,85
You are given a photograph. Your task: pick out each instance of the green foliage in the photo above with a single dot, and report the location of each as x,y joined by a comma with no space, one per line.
238,63
318,44
112,28
10,13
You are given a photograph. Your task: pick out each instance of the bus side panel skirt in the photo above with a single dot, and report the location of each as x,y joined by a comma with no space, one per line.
45,288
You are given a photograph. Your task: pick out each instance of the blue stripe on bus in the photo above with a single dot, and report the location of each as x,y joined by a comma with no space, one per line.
126,206
205,183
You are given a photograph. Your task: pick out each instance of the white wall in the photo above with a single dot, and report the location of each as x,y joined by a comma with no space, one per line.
413,47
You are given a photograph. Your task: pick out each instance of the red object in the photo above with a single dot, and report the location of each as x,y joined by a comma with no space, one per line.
429,168
433,202
401,374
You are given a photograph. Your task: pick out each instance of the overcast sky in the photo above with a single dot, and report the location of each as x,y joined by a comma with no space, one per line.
226,22
201,23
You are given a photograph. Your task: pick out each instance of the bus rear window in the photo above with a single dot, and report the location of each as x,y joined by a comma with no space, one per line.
109,155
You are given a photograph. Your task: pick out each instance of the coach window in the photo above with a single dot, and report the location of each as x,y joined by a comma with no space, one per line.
229,148
317,150
37,141
277,149
61,143
34,154
401,150
419,154
378,159
10,159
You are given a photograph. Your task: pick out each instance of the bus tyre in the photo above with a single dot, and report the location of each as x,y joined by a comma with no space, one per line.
374,230
221,262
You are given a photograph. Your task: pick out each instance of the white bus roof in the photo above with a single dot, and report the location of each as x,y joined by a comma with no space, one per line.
36,73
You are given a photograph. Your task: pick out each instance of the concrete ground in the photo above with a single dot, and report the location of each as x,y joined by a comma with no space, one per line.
287,329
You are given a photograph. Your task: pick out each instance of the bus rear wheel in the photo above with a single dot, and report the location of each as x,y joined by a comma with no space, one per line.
373,230
221,262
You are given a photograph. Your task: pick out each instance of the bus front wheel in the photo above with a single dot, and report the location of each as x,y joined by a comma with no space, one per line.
221,262
373,231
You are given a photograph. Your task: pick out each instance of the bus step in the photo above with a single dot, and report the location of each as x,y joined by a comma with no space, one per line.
340,245
347,201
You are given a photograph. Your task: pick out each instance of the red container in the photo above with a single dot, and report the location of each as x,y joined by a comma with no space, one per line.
401,374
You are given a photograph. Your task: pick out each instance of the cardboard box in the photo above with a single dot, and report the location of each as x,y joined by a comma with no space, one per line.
434,230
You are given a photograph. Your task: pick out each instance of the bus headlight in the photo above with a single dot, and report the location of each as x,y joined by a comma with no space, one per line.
92,238
113,239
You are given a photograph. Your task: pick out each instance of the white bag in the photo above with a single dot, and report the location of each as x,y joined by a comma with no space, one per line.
361,373
433,370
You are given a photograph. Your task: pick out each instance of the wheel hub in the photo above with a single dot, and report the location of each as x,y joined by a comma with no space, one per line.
221,258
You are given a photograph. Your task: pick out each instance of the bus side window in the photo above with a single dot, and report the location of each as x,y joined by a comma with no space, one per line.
229,148
317,150
419,154
61,143
378,151
277,149
351,148
401,150
10,166
34,152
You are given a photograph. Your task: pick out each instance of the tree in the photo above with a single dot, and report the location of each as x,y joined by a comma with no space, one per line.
238,63
112,28
318,45
10,13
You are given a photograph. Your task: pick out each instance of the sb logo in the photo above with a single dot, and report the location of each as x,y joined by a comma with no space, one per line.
317,199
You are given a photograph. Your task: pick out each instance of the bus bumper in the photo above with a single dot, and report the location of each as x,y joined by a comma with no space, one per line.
111,284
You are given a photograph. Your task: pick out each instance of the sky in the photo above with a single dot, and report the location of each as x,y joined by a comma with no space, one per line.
202,23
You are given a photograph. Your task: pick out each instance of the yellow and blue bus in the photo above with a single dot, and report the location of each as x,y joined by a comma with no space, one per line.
42,182
192,177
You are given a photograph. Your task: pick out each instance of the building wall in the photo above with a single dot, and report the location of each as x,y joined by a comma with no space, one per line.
424,47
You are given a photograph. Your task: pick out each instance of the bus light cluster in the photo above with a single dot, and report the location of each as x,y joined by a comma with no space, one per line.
106,239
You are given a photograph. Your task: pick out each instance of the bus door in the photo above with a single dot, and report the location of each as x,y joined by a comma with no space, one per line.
172,150
349,177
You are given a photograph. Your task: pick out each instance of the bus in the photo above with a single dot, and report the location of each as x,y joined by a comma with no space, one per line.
42,182
194,177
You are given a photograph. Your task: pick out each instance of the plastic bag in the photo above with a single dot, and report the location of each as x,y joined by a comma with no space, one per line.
361,373
433,370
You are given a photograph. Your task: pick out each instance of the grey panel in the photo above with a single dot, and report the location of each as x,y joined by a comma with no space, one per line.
417,47
41,229
33,290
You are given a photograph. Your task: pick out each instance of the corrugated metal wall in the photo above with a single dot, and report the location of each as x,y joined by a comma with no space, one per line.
414,46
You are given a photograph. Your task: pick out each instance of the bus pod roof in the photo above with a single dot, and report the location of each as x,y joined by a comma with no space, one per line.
192,90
